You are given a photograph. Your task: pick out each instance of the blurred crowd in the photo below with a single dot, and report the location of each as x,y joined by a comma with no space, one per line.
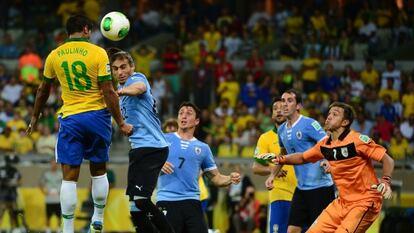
198,65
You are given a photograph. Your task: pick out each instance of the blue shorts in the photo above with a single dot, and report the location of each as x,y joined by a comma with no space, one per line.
278,216
85,135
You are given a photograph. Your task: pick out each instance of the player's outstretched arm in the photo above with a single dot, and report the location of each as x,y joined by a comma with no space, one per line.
42,95
133,90
112,103
221,180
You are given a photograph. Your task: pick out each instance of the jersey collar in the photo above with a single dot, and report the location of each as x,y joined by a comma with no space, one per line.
77,39
274,129
341,137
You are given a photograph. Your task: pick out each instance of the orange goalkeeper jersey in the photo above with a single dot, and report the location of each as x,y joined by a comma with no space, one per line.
351,168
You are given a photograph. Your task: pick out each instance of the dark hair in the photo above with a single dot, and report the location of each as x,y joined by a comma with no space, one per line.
349,113
170,122
274,100
196,109
369,60
76,23
298,97
116,53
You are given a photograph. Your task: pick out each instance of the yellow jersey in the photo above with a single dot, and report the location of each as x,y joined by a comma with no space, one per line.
204,195
285,186
79,66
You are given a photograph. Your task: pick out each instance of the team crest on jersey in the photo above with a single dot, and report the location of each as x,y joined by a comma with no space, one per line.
344,151
299,134
197,150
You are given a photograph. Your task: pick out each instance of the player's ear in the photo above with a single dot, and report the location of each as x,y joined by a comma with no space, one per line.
197,121
345,123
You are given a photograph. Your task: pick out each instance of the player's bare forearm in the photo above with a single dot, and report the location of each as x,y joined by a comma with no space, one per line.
387,165
42,95
112,102
261,170
133,90
291,159
221,180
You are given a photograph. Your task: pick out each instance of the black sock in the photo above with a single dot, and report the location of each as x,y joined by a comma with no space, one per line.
141,222
155,215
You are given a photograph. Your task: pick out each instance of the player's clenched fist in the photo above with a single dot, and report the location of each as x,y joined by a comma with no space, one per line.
234,177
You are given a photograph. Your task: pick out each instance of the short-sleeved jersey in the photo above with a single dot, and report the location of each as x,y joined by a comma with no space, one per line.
79,66
351,168
285,186
188,158
304,134
141,112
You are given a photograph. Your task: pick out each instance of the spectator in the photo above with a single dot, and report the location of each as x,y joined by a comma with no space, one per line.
388,110
248,214
362,125
383,129
46,143
229,89
232,45
399,147
329,81
255,65
4,77
312,43
7,140
49,183
222,69
392,73
407,128
17,123
235,194
332,51
289,50
390,91
224,109
8,48
310,72
286,79
10,180
369,75
407,100
202,79
372,104
12,91
143,56
160,91
212,37
24,144
249,94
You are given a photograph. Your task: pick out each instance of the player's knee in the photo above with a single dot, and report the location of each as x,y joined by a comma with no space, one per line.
144,204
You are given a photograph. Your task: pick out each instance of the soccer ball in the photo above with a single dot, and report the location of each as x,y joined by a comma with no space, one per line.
114,26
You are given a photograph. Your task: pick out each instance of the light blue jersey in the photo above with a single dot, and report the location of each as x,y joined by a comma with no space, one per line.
141,112
304,134
187,157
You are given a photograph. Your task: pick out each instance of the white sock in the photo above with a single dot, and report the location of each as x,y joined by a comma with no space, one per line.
100,189
68,199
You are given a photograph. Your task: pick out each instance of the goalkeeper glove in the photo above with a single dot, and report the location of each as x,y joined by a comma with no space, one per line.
384,187
263,159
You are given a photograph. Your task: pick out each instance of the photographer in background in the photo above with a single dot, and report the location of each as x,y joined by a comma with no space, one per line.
10,179
249,210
